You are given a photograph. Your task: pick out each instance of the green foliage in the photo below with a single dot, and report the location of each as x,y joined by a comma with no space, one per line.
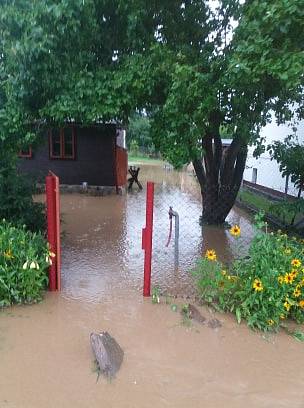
16,200
139,130
180,61
103,59
155,295
134,148
264,288
24,259
290,156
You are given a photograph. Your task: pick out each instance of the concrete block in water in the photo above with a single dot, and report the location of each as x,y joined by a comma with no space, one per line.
108,353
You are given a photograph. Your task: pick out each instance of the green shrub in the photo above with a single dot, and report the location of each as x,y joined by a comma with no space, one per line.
24,260
263,288
16,200
134,148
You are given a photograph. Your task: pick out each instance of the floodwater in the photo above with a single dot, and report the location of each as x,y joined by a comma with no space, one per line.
102,244
45,355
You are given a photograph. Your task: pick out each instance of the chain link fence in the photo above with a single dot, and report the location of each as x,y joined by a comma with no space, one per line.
179,239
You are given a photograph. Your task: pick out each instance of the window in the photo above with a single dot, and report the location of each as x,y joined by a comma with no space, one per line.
27,153
62,143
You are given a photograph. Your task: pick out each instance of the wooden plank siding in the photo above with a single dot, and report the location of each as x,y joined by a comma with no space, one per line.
94,160
121,166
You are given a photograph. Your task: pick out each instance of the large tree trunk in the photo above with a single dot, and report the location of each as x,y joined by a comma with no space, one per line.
220,176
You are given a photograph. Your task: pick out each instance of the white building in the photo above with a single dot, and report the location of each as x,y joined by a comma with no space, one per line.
264,171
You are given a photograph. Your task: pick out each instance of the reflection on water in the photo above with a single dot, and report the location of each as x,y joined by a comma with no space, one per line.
102,245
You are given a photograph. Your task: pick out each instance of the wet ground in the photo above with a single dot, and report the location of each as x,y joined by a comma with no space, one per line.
45,356
102,245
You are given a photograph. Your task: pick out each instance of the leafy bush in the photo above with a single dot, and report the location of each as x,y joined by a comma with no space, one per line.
134,148
263,288
24,259
16,200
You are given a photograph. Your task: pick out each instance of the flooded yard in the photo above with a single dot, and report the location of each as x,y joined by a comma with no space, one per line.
102,243
45,355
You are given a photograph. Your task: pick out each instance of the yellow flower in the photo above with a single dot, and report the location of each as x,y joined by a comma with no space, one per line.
224,273
210,255
270,322
296,263
281,279
287,251
294,273
8,254
287,305
297,292
288,278
235,231
257,285
282,316
301,304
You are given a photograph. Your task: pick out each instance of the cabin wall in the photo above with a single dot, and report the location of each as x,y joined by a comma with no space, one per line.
94,162
121,166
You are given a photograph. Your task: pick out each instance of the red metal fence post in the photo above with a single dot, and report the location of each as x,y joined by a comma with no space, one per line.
51,228
147,234
58,244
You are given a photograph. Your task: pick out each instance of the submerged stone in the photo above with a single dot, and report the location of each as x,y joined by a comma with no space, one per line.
108,353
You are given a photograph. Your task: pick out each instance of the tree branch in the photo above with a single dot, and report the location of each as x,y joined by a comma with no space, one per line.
229,160
218,153
200,172
208,157
239,167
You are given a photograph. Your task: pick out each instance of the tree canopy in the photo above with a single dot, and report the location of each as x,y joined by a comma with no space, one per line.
194,68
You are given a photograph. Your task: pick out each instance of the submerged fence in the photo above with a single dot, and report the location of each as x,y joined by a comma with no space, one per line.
180,239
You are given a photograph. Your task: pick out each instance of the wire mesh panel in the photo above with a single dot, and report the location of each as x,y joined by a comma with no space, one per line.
178,199
189,241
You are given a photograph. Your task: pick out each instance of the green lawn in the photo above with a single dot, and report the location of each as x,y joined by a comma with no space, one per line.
144,160
255,200
261,203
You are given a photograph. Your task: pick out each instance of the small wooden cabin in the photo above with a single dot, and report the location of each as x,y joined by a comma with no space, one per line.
94,154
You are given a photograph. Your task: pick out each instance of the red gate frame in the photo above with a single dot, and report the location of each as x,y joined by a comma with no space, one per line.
147,236
53,229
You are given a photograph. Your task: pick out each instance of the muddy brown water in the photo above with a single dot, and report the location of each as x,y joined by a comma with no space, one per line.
45,356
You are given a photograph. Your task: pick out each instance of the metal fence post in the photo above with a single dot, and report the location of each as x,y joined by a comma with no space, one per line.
51,228
147,235
58,243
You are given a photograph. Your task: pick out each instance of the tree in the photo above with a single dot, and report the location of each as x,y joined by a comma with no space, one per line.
139,131
290,157
180,60
233,85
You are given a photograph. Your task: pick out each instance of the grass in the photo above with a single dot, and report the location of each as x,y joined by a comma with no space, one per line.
261,203
144,160
255,200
